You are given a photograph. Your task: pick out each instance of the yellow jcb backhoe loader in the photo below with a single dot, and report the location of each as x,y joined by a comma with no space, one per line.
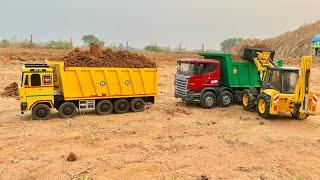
285,89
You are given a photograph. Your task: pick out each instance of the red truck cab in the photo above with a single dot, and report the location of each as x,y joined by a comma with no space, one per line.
198,81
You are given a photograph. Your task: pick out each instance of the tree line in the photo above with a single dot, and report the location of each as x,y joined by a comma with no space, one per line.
225,46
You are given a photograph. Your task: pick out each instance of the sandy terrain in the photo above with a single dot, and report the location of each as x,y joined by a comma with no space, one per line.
169,140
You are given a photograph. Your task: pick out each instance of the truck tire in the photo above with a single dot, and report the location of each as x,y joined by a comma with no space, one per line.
137,105
248,100
104,107
263,106
41,112
208,100
121,106
67,110
226,99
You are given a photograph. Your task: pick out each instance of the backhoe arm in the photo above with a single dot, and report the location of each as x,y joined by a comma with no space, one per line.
301,91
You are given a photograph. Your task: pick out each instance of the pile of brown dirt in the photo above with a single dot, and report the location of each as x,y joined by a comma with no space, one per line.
106,58
12,90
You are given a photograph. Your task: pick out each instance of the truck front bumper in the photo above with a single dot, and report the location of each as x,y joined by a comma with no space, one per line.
191,96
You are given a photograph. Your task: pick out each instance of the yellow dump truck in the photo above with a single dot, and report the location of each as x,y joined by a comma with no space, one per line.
71,89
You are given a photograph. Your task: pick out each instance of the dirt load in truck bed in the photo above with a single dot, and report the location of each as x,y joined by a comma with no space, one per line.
96,57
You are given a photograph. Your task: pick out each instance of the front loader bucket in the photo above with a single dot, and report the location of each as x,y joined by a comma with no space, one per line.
249,53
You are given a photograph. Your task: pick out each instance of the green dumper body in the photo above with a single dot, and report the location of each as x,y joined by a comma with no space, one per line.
235,74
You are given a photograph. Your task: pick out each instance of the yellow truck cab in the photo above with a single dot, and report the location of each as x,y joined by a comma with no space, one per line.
37,90
69,89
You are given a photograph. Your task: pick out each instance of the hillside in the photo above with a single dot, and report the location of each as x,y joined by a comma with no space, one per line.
290,44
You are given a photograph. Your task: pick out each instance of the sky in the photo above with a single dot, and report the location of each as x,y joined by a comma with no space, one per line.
164,22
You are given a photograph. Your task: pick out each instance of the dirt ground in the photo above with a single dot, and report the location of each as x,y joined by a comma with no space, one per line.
169,140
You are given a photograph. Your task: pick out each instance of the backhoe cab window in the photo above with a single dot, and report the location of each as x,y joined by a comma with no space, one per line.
35,80
272,80
284,81
275,80
289,81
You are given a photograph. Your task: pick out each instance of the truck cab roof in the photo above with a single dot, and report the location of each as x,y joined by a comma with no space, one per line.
36,68
207,61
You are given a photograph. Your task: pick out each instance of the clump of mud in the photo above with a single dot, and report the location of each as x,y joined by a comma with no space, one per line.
72,157
12,90
96,57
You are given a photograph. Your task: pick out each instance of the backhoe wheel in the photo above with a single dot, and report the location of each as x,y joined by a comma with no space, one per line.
263,106
226,98
104,107
121,106
208,100
248,100
137,105
41,112
67,110
296,115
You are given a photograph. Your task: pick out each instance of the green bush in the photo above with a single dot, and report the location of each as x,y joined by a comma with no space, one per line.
58,45
5,43
153,48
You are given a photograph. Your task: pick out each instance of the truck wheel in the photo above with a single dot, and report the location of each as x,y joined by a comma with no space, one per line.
247,100
208,100
264,106
40,112
226,98
137,105
121,106
67,110
104,107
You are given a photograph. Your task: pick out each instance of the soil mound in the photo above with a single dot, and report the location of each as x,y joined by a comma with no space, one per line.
260,46
290,44
12,90
96,57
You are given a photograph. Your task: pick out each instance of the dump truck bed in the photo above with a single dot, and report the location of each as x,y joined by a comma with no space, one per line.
235,74
101,82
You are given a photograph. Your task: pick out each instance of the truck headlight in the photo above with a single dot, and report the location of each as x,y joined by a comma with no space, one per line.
23,106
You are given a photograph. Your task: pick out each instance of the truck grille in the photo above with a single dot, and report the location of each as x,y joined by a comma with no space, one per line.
181,87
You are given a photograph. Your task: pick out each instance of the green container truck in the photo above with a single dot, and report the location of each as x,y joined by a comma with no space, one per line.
217,79
235,74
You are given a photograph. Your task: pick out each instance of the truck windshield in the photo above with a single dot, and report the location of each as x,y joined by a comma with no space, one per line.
186,68
289,81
